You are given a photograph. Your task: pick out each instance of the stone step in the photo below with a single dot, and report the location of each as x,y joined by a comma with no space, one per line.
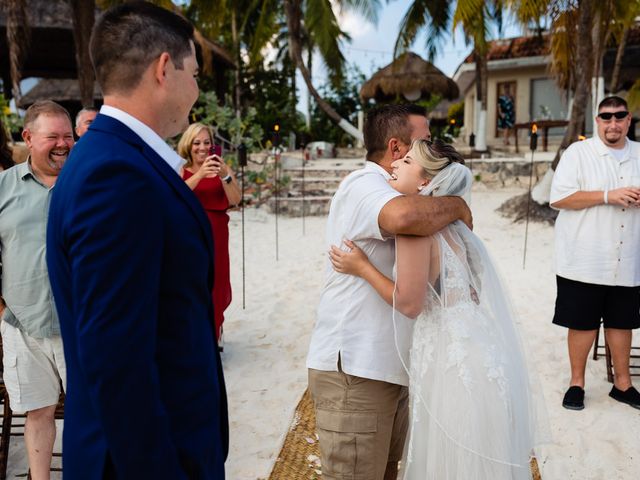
287,162
318,172
315,183
318,192
292,206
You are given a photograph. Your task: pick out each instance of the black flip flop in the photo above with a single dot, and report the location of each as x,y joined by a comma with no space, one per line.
574,398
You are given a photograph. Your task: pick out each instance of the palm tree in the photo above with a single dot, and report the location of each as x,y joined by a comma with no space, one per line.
83,15
633,96
17,39
317,19
625,19
580,30
438,18
251,24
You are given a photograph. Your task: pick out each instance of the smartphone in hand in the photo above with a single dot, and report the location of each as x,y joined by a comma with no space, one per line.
215,149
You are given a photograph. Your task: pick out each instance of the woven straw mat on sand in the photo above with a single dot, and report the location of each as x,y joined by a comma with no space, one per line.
299,458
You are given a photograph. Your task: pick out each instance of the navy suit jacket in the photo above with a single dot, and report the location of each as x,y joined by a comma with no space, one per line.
130,256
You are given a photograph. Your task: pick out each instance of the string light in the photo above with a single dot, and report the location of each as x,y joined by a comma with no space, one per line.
390,53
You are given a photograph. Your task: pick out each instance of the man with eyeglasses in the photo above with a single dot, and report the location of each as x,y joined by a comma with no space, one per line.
596,187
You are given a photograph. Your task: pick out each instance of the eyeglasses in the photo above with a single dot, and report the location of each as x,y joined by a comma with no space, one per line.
609,115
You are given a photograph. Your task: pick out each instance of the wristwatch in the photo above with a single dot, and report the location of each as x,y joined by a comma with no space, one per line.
226,179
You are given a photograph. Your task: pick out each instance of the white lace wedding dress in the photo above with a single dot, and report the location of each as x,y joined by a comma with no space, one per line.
471,406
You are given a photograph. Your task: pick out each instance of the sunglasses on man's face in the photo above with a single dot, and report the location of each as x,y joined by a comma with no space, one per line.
610,115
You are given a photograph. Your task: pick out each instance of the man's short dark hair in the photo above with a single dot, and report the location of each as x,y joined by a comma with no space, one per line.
381,125
44,107
613,101
128,37
416,109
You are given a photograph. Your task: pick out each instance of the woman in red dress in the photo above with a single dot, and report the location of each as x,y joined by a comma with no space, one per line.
215,185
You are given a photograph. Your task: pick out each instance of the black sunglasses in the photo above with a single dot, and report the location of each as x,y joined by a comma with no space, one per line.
609,115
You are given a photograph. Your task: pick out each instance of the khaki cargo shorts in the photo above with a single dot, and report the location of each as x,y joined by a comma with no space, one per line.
361,423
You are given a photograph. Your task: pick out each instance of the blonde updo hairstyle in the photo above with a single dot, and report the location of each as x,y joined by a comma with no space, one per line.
434,156
186,141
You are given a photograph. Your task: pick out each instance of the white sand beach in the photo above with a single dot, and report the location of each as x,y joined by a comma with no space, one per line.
266,344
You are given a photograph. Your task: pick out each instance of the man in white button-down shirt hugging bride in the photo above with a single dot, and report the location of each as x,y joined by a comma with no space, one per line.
596,187
356,377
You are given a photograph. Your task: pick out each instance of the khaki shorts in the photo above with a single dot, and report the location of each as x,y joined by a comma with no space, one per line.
33,369
361,423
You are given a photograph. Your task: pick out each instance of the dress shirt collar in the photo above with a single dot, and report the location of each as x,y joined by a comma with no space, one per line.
602,149
25,170
150,137
373,166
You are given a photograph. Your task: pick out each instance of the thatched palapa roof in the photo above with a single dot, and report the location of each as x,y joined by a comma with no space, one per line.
411,77
63,91
51,50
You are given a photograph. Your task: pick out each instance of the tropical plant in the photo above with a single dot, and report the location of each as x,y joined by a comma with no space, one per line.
245,27
11,121
633,97
268,90
438,18
456,112
228,125
625,20
344,99
83,16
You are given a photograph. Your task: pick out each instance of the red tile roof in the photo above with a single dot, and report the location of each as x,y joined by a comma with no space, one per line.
535,45
518,47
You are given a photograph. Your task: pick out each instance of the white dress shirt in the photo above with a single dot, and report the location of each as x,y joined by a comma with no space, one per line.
601,244
353,321
150,137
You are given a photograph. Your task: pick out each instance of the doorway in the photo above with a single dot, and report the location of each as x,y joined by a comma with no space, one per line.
505,100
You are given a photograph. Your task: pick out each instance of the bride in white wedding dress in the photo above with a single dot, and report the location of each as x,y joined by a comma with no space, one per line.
472,413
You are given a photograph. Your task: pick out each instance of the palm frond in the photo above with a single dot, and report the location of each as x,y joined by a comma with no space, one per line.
563,48
324,31
633,97
266,28
473,16
528,11
432,16
368,9
623,14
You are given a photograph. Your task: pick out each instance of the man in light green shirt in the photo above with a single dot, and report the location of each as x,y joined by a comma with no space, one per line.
32,347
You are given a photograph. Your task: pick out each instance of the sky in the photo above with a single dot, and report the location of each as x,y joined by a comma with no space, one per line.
371,47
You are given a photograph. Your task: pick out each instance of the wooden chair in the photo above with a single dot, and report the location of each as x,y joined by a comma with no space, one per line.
634,357
5,434
13,424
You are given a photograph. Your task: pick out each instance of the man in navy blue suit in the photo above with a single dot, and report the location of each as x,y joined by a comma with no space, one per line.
129,256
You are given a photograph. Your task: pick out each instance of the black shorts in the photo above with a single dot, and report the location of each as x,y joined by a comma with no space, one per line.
580,306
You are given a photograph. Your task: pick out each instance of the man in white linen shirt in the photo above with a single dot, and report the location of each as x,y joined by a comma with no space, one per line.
356,377
596,187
